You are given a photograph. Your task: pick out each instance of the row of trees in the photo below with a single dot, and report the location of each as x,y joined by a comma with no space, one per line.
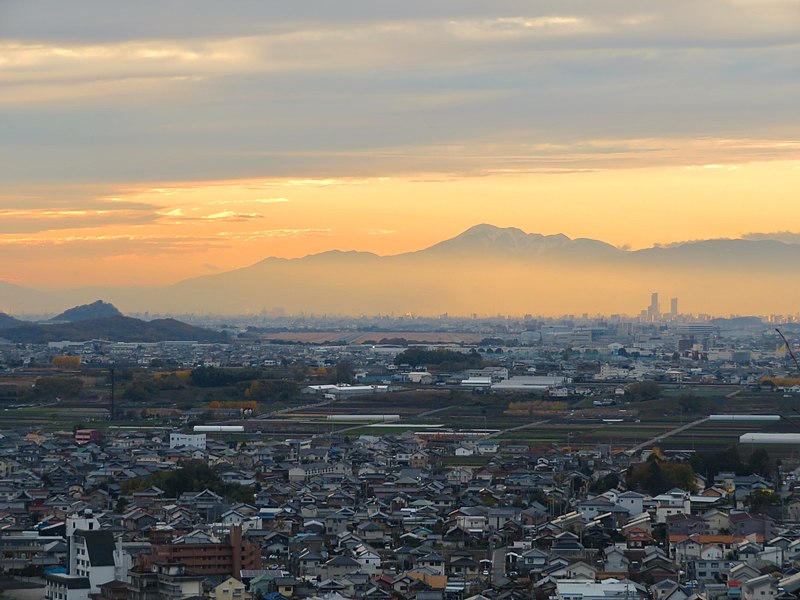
442,360
657,475
711,463
192,476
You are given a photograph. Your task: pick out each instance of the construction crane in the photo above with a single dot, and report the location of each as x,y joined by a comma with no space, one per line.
789,348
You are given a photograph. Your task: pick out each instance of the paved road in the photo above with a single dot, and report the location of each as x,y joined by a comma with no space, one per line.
670,433
517,428
352,428
498,564
436,410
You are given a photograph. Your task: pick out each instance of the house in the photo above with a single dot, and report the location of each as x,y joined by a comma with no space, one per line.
589,590
432,561
567,545
592,507
673,502
533,560
463,565
633,502
764,587
286,586
746,523
615,561
717,521
230,589
164,580
577,570
339,566
686,524
60,586
369,560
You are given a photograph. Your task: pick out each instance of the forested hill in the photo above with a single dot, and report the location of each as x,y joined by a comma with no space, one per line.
118,329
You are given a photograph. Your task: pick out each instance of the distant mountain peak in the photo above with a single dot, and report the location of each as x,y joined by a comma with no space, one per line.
489,239
489,229
95,310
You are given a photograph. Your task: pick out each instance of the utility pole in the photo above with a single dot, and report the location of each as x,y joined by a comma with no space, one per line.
113,390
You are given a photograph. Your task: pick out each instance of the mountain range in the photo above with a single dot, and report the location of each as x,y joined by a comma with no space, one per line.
117,328
101,320
486,269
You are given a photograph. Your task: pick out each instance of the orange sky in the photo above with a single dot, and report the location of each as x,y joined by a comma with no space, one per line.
182,230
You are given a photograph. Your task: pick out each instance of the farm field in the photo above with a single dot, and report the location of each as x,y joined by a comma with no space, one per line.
360,337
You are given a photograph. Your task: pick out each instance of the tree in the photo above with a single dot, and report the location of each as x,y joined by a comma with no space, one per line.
139,391
443,360
216,377
270,390
605,483
691,404
760,463
192,476
642,391
711,463
344,372
657,475
764,502
57,387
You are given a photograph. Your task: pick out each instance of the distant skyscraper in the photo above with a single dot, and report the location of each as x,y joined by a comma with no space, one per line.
653,312
673,308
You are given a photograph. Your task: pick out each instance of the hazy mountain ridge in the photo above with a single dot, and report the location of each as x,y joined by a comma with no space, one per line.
116,328
487,269
7,321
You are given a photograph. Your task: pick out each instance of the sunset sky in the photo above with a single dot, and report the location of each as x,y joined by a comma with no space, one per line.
149,141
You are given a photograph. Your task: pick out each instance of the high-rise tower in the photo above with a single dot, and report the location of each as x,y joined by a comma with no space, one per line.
653,313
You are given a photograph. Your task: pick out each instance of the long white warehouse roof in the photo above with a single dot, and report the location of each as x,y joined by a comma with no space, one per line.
770,438
218,428
363,417
744,417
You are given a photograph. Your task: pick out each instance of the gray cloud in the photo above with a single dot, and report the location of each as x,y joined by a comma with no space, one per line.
98,93
33,221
